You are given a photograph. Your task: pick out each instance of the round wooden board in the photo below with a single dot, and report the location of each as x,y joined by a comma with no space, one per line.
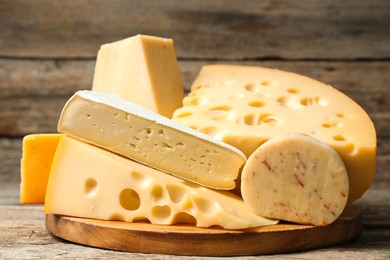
189,240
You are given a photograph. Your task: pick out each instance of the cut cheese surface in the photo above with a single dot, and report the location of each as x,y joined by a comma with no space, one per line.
38,153
142,69
132,131
245,106
87,181
296,178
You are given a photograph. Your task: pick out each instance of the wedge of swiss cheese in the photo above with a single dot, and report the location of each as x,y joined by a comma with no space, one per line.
245,106
125,128
90,182
297,178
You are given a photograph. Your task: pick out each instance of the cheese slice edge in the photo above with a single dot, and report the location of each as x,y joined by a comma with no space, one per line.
132,131
87,181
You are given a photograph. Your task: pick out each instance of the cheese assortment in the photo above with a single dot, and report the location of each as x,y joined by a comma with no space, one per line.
89,182
142,69
37,156
296,178
245,106
135,149
132,131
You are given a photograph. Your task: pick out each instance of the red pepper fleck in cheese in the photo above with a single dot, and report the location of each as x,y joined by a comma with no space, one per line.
245,106
296,178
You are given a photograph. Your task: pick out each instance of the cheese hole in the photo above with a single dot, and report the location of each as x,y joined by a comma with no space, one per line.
212,131
161,132
289,102
339,138
116,216
195,101
90,187
313,101
180,145
217,227
341,115
157,194
256,104
254,120
221,108
166,146
141,219
148,131
129,199
252,87
206,206
161,212
88,115
184,114
265,83
176,193
334,124
220,113
350,148
184,218
292,90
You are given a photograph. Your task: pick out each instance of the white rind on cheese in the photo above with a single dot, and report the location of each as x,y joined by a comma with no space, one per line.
132,131
90,182
296,178
245,106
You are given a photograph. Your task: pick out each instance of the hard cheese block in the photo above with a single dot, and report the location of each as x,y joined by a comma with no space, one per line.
132,131
87,181
297,178
142,69
38,153
245,106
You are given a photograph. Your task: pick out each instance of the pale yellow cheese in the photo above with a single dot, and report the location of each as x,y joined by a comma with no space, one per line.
38,153
87,181
297,178
245,106
132,131
142,69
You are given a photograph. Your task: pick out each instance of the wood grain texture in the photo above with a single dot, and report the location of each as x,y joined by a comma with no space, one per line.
33,92
23,235
155,239
47,52
221,29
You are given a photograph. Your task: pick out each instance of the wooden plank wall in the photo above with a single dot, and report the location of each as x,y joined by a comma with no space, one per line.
48,51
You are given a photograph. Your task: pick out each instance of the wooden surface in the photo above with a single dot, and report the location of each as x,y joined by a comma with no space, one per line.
48,50
156,239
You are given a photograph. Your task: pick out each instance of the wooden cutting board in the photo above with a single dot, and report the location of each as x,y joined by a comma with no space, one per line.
189,240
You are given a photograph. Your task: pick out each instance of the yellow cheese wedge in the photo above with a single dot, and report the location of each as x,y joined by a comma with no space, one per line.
297,178
142,69
38,153
245,106
87,181
132,131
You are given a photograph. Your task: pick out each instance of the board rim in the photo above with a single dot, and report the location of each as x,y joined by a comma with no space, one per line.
193,241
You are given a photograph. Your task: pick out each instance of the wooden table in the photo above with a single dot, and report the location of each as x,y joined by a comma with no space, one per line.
48,51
